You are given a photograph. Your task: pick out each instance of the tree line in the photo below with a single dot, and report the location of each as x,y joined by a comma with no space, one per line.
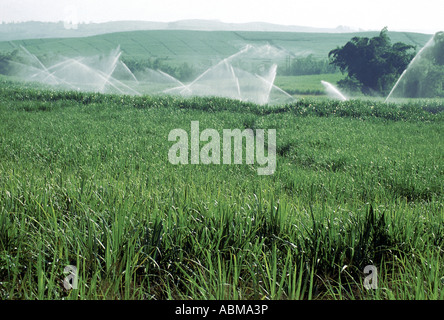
307,65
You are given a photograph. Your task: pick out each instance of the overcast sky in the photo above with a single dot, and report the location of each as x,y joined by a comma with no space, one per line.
397,15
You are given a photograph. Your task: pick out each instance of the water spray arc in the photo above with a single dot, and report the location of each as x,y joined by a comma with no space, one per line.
230,77
333,92
410,64
423,72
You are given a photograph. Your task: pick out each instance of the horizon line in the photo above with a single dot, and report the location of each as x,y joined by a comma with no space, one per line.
340,28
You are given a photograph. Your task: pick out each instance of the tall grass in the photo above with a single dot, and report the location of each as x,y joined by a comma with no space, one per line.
85,181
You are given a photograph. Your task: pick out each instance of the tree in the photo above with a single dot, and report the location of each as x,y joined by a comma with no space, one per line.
375,64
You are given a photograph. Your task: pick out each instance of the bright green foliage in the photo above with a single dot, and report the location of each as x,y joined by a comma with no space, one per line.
85,181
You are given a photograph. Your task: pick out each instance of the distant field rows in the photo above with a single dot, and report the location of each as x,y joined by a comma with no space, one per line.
197,46
308,84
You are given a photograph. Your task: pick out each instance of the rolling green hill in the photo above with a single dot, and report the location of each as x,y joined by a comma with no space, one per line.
197,47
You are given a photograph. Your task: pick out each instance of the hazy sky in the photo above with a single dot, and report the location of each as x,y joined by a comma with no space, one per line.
397,15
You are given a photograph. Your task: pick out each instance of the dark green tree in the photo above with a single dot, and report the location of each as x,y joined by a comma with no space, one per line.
372,64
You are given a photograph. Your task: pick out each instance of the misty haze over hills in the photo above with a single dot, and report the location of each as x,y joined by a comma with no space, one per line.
35,29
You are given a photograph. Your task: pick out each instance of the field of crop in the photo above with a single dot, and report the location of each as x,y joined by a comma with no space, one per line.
307,85
85,181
